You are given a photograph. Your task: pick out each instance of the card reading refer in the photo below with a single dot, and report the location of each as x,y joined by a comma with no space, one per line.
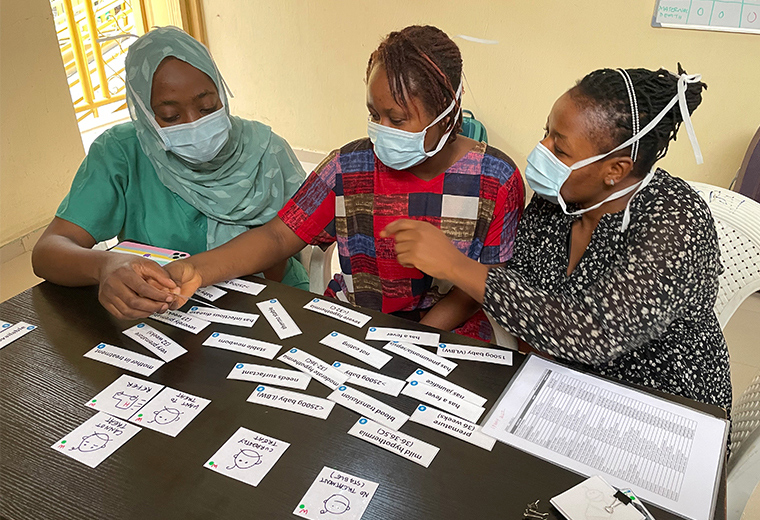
125,396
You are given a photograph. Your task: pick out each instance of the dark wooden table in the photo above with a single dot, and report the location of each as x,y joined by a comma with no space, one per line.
45,381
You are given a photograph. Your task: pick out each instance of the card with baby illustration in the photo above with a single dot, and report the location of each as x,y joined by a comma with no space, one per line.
247,456
170,411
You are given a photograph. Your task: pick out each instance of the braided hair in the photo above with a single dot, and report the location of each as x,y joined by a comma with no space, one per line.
423,62
603,96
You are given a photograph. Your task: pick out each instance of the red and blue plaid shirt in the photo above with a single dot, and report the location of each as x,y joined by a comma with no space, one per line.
352,196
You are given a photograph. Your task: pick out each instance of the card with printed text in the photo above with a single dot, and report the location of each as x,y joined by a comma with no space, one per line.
247,456
336,495
124,397
96,439
170,411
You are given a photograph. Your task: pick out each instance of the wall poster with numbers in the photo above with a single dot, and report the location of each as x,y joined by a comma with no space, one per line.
714,15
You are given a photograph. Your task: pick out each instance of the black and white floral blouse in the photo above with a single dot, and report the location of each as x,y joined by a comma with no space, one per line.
639,304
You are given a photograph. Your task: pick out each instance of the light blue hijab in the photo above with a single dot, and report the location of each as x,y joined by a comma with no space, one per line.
253,175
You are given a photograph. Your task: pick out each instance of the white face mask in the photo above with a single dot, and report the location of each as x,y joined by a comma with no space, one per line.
546,174
199,141
399,149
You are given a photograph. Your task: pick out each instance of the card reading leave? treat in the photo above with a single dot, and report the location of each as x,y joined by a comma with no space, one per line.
95,439
247,456
125,396
335,494
170,411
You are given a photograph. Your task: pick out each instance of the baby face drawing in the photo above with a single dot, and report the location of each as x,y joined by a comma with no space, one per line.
92,442
245,459
336,505
166,415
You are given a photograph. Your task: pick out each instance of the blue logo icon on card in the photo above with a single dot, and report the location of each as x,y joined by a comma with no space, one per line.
315,300
239,365
336,364
334,334
273,300
215,334
140,325
413,383
342,388
420,372
293,350
372,329
193,308
260,389
5,326
422,408
442,345
362,421
31,327
102,345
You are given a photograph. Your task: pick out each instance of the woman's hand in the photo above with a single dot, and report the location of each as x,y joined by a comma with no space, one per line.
133,287
187,278
424,246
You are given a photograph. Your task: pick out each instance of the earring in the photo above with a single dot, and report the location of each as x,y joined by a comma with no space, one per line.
611,182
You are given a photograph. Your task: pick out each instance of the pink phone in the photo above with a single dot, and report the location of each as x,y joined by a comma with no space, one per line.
157,254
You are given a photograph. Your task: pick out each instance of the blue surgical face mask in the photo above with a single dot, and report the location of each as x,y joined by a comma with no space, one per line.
399,149
199,141
546,174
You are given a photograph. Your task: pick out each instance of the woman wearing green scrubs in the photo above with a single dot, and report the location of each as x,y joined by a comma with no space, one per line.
183,175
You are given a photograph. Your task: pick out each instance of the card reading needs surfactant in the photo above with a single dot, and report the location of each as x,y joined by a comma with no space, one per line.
241,319
10,333
429,339
211,293
291,401
372,380
95,439
243,345
315,367
182,321
279,318
125,396
270,375
170,411
396,442
356,349
452,425
368,406
335,494
422,357
123,358
339,312
157,342
247,456
243,286
486,355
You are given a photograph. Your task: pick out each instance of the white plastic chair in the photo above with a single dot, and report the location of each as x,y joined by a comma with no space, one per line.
737,221
744,463
319,265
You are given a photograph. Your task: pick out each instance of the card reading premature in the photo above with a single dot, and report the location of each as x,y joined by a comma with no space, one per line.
155,341
242,286
335,494
182,321
170,411
243,345
123,358
279,318
396,442
125,396
339,312
247,456
95,439
452,425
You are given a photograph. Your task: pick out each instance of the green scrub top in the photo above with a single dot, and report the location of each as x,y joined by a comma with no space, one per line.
116,192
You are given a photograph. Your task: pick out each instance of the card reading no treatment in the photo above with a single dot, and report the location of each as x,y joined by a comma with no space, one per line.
95,439
247,456
335,494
